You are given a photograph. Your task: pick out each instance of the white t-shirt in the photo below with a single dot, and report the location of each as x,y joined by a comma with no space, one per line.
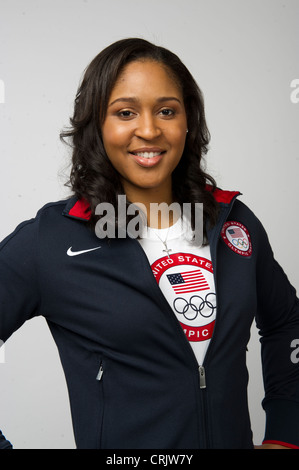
185,277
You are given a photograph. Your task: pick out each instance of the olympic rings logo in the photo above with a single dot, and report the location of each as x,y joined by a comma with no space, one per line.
239,242
196,306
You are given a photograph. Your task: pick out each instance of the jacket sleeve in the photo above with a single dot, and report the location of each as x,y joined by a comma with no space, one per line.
278,321
4,444
19,293
19,298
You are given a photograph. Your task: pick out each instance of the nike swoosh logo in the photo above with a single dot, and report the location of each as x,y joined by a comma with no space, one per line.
76,253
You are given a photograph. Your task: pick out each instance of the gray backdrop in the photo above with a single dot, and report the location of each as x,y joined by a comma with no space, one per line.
244,55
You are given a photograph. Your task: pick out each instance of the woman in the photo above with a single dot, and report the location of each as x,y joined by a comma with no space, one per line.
152,358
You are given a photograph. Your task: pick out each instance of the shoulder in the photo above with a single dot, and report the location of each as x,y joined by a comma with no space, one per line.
238,210
56,207
27,230
231,198
242,216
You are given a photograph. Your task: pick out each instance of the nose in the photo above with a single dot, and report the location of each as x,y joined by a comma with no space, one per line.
147,127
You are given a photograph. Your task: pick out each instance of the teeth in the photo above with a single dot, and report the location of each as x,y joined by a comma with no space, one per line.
147,154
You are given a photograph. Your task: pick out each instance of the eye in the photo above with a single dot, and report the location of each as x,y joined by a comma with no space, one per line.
125,114
167,112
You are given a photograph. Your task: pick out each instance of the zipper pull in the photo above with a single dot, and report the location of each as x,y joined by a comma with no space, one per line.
202,377
100,373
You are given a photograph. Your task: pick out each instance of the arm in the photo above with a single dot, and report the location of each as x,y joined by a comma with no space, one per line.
19,293
19,298
278,321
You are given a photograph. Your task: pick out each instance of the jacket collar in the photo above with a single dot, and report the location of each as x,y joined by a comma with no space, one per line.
222,196
80,208
77,209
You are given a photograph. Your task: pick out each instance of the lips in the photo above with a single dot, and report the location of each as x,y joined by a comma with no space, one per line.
147,157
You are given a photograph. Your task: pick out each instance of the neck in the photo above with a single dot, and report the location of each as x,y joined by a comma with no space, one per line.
157,217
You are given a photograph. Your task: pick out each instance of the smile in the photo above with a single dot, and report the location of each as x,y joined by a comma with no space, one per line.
147,154
147,159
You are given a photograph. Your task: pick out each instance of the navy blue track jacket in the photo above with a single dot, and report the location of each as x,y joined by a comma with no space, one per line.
132,377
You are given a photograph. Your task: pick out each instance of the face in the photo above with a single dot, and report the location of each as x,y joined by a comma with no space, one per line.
144,130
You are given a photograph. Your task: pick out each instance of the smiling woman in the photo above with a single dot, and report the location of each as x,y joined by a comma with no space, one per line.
152,330
139,129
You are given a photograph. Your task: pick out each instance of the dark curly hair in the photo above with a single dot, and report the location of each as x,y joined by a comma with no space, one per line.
92,176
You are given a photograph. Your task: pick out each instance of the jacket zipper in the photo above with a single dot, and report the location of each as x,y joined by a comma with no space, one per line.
203,386
202,377
99,378
214,264
202,368
100,373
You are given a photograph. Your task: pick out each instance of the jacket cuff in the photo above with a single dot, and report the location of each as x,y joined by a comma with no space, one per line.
282,422
284,444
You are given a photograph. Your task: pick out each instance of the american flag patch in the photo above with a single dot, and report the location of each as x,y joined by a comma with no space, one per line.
236,232
190,281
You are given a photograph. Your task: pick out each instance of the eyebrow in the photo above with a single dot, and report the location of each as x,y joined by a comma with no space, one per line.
133,99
